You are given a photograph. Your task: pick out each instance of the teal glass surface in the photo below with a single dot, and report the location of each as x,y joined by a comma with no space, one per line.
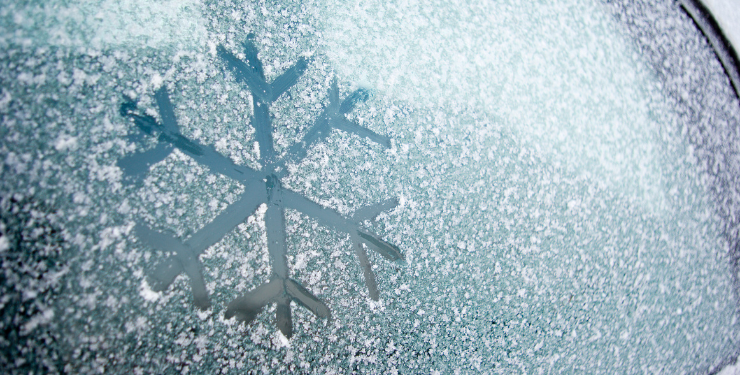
363,187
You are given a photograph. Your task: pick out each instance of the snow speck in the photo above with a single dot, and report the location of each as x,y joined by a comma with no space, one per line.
146,292
65,142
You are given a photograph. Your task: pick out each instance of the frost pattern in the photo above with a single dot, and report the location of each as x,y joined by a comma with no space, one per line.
261,186
30,259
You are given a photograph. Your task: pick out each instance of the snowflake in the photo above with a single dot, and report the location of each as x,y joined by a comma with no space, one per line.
261,186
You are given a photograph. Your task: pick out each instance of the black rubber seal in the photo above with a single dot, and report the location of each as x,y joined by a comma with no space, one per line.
727,55
717,39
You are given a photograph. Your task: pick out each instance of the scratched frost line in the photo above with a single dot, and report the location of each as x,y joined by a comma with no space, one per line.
261,186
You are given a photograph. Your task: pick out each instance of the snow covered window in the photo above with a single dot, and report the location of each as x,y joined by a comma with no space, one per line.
366,187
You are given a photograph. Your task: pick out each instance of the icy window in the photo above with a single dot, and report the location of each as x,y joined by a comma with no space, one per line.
365,186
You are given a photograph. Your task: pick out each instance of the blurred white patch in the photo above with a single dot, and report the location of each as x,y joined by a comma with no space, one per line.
727,14
65,142
4,244
38,319
100,23
5,99
282,341
733,369
146,292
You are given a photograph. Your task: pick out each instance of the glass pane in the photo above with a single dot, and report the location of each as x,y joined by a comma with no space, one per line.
365,186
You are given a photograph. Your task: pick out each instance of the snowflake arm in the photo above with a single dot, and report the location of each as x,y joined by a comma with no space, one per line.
347,126
186,260
367,268
169,137
280,291
369,213
286,80
372,211
204,155
252,74
263,132
236,213
187,252
247,73
333,117
334,219
275,225
136,165
246,307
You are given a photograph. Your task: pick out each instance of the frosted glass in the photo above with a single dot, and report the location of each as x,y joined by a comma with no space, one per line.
368,186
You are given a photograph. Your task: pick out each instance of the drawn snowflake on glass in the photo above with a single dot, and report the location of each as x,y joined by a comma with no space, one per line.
261,186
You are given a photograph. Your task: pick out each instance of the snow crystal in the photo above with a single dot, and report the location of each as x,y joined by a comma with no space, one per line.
280,288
